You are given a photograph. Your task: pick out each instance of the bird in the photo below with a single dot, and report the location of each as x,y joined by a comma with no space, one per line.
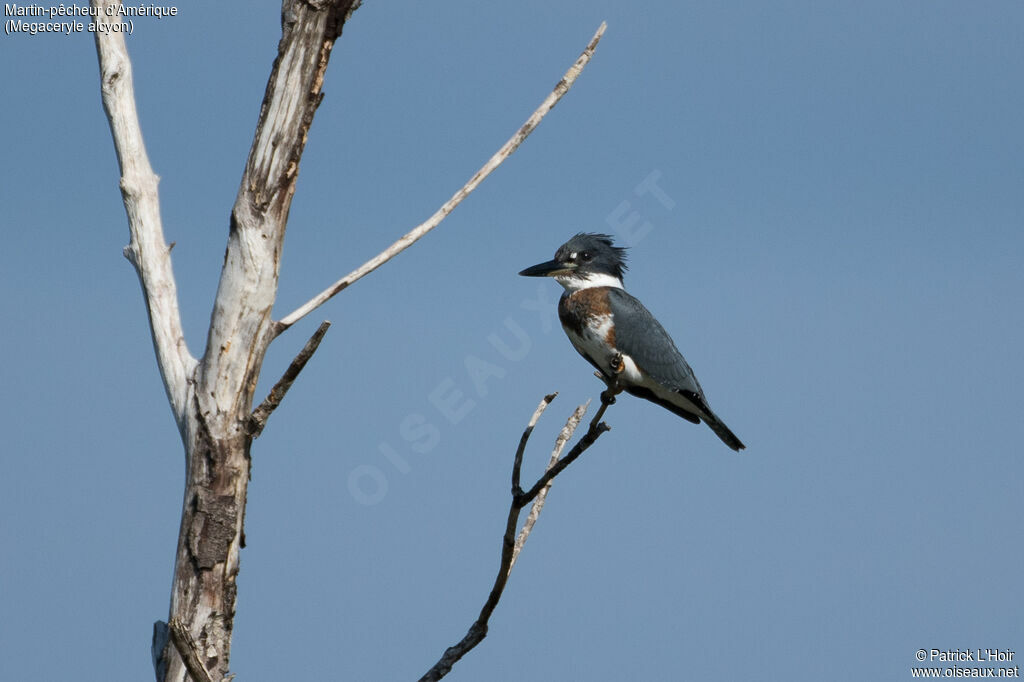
615,333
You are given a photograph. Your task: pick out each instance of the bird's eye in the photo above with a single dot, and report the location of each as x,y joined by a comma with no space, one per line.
586,255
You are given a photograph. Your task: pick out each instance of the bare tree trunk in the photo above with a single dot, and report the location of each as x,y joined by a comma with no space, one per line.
241,328
211,397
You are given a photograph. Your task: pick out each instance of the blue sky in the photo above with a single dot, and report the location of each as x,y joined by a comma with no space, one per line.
837,253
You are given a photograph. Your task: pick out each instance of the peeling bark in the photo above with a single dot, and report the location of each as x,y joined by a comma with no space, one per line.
212,397
241,329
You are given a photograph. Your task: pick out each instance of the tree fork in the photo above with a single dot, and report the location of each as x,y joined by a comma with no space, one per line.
211,398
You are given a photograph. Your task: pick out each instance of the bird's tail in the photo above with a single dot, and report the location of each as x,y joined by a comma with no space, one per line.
722,431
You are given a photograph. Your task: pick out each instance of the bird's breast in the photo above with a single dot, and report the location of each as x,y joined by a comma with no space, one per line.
587,320
586,312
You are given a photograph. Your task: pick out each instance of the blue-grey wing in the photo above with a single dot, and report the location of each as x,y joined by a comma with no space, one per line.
640,336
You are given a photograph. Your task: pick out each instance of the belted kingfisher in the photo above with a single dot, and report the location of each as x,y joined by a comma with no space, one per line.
616,334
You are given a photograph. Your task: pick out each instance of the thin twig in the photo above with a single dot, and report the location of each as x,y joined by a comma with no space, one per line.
188,651
597,427
538,504
259,416
413,235
511,545
517,462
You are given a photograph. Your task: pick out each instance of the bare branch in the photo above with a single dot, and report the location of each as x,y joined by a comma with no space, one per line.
413,235
538,504
188,651
517,462
258,419
511,545
240,325
597,427
146,250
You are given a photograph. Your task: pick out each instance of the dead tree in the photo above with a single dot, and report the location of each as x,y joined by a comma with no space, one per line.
211,396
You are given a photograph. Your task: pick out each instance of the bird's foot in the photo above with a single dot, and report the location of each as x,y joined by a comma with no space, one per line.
612,382
616,364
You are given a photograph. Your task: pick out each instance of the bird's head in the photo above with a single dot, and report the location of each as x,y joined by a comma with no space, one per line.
586,260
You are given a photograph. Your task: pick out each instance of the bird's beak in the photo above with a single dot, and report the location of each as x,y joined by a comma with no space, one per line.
548,269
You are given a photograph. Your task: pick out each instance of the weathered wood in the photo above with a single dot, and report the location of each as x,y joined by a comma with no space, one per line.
212,397
188,651
413,235
241,328
511,545
259,416
146,250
